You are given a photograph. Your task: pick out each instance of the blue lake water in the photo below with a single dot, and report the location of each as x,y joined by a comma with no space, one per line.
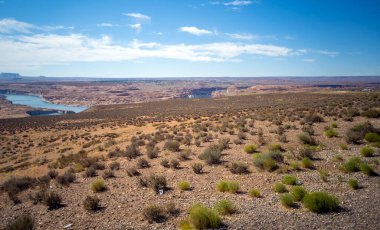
39,102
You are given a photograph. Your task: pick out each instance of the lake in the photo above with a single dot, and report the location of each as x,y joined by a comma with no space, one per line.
39,102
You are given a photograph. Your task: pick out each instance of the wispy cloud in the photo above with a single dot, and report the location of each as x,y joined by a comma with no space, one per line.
195,31
10,25
238,3
138,16
52,49
106,24
309,60
136,27
320,52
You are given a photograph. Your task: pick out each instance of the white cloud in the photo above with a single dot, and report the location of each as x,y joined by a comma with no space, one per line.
309,60
138,16
242,36
136,27
52,49
194,30
238,3
9,25
106,24
320,52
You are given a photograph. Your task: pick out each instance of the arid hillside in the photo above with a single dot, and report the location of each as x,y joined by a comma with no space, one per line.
268,161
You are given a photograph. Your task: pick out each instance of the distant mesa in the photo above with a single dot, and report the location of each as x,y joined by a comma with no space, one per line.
10,76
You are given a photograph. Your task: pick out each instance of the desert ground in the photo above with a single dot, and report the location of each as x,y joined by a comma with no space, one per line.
149,163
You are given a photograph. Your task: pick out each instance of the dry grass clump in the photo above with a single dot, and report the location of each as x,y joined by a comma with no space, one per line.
197,168
23,222
320,202
238,168
228,186
201,217
98,185
225,207
91,203
211,155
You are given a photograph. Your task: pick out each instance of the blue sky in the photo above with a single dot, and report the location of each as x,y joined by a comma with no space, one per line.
190,38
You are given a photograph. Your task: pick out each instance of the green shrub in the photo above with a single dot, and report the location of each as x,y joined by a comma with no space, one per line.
306,151
98,185
298,192
343,146
264,162
324,174
197,168
334,125
352,165
287,200
307,163
201,217
250,148
225,207
295,165
331,133
211,155
228,186
305,138
254,193
274,147
356,134
289,180
279,188
23,222
367,151
366,169
353,184
91,203
372,137
371,113
320,202
184,185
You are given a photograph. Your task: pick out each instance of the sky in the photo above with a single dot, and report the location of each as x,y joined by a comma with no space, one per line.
190,38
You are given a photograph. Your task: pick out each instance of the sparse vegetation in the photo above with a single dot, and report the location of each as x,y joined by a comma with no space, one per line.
287,200
289,180
353,184
228,186
91,203
254,193
211,155
367,151
225,207
197,168
298,192
279,188
250,148
184,185
201,217
98,185
320,202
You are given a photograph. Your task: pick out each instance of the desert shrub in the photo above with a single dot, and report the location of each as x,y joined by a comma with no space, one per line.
131,152
154,213
197,143
185,155
353,184
184,185
23,222
287,200
91,203
308,129
67,178
228,186
367,151
90,172
273,147
356,134
295,165
114,166
241,136
306,139
165,163
306,151
132,172
331,133
313,118
224,143
372,137
371,113
298,192
197,168
276,155
211,155
225,207
52,200
352,165
157,182
142,163
334,125
324,174
98,185
108,174
171,209
307,163
254,193
289,180
174,164
52,173
343,146
279,188
152,153
320,202
172,145
201,217
15,185
238,168
367,169
250,148
264,162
